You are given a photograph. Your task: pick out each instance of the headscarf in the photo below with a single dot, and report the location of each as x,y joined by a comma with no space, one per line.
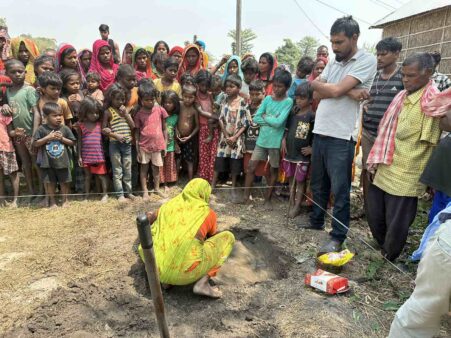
184,64
6,52
226,69
106,78
30,45
59,55
176,49
176,226
79,56
384,145
268,80
201,44
313,75
139,74
123,51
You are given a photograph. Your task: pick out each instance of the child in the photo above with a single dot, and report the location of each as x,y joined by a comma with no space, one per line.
303,68
118,125
271,117
71,91
126,78
171,102
151,137
50,87
168,80
54,138
233,123
22,108
187,127
187,79
93,90
141,63
249,67
43,63
297,145
8,162
208,131
89,145
256,94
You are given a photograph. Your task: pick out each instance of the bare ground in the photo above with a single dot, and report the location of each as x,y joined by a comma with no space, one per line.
75,273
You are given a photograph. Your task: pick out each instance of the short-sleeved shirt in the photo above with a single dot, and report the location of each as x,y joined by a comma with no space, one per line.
382,92
272,127
206,104
151,137
54,154
171,123
175,86
296,82
6,144
251,134
337,117
21,103
299,135
416,135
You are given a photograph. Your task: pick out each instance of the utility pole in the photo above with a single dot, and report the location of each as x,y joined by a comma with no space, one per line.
238,28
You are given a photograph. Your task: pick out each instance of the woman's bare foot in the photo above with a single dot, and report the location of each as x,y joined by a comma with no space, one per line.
268,205
160,193
122,199
104,198
294,211
13,204
53,206
65,204
203,288
145,196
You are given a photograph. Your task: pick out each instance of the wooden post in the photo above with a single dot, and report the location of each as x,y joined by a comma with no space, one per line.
145,237
238,28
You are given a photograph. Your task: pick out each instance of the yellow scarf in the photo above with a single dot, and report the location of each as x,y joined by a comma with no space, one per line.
176,226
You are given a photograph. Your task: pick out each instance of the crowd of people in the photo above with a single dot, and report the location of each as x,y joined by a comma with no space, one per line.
152,114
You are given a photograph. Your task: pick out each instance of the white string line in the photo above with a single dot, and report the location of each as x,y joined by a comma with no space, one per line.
231,188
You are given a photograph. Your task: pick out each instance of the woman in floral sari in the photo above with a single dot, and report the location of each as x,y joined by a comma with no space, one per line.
188,248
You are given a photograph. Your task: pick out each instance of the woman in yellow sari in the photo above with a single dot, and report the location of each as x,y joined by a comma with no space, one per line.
26,51
187,246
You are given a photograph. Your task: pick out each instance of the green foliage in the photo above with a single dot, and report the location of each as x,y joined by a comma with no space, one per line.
391,305
308,46
291,52
370,48
3,22
42,42
247,36
373,268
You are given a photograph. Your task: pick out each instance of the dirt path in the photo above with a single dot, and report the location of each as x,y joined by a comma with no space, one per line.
75,273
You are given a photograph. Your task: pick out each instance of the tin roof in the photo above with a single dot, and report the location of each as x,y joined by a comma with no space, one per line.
411,8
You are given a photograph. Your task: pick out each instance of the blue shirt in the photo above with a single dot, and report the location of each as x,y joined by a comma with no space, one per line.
272,126
296,82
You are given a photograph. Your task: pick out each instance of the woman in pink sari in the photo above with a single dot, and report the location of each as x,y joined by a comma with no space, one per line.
102,63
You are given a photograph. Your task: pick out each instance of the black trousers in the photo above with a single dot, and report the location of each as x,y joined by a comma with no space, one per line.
389,218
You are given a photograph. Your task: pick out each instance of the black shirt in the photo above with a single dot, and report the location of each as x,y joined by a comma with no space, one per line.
54,153
299,135
251,134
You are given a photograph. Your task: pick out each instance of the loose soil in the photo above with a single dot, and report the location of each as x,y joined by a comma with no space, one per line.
75,272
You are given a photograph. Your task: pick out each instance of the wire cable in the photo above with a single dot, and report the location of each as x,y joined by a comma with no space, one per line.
309,19
342,12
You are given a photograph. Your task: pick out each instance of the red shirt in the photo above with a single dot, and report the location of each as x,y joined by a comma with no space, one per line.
151,137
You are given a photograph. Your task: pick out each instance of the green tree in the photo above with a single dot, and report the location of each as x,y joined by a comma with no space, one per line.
307,46
370,48
289,53
3,22
247,36
42,42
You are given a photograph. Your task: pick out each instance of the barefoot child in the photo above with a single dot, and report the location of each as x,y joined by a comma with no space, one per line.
233,123
118,125
54,138
93,90
256,94
90,147
22,108
271,117
168,81
8,163
171,102
297,145
187,127
205,100
151,137
71,91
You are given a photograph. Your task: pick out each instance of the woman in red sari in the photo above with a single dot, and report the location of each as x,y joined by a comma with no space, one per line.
191,61
267,64
102,63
